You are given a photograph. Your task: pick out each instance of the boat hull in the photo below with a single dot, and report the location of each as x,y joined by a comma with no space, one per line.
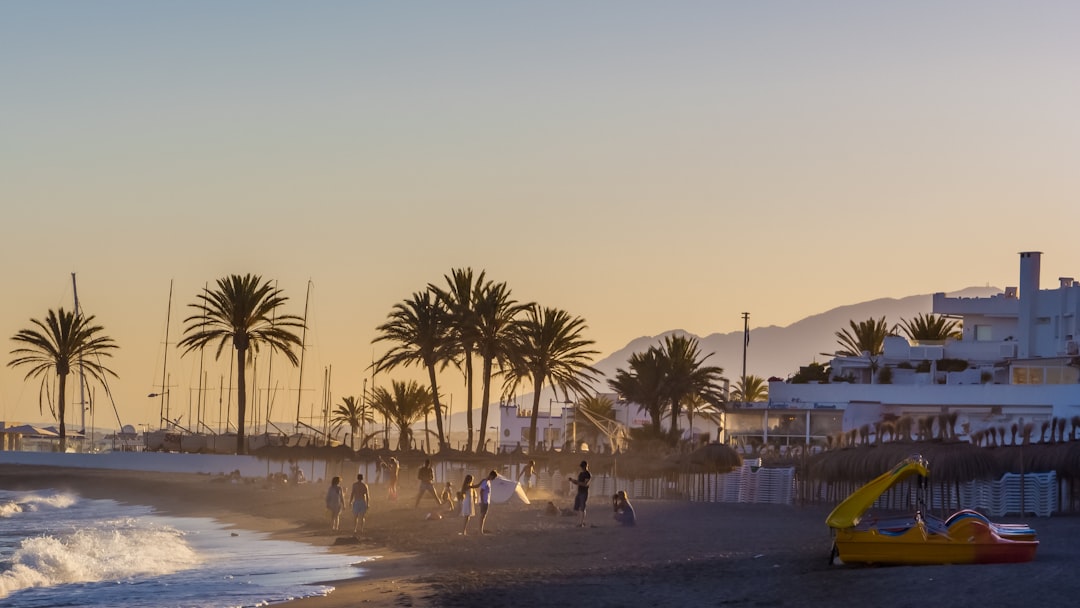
968,541
966,537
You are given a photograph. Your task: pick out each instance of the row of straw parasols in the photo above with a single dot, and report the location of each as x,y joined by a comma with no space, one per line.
954,461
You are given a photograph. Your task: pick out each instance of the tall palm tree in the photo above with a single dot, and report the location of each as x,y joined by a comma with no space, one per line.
865,336
548,346
421,329
65,339
352,413
458,298
402,406
756,389
643,384
242,311
688,375
931,327
493,313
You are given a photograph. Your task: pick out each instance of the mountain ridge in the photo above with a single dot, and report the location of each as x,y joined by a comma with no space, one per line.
780,350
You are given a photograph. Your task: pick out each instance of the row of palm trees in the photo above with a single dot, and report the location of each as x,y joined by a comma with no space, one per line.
466,320
241,312
869,335
471,319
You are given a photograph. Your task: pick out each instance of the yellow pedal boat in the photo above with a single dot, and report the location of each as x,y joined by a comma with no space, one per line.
966,537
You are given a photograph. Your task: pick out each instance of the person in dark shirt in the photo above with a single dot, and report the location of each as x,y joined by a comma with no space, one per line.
426,476
582,483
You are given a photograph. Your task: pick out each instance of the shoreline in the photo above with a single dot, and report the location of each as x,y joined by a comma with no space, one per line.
680,554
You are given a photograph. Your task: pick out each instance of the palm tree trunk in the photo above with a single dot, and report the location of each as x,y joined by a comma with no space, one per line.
241,399
537,385
468,399
438,408
676,410
486,392
61,409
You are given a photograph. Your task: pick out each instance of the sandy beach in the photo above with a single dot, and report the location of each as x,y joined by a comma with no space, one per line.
680,554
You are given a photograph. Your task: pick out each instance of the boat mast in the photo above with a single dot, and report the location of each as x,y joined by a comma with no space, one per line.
163,413
82,372
199,404
303,348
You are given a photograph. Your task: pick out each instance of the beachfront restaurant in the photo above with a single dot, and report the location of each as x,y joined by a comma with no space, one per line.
750,426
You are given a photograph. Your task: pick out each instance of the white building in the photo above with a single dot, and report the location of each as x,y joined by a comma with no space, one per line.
1017,362
555,427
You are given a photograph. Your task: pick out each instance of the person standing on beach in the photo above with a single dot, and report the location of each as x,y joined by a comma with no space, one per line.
426,476
582,483
467,496
359,500
393,467
527,472
380,468
335,501
485,498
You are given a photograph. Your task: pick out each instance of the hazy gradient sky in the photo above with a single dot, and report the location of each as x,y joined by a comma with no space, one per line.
645,165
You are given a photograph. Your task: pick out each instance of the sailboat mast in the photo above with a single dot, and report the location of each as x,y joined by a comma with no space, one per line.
82,374
163,414
200,405
303,348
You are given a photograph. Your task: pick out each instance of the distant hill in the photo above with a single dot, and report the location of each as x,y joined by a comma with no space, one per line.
780,351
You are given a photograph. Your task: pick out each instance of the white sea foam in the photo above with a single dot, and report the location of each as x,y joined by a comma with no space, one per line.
36,502
111,550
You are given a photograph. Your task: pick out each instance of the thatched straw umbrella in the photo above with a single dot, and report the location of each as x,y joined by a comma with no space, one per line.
951,463
714,458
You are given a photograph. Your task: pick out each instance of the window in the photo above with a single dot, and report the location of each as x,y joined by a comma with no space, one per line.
984,333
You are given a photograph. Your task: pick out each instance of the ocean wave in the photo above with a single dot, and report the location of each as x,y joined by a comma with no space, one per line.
37,502
111,550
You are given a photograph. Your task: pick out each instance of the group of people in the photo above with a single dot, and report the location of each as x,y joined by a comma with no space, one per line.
472,497
358,499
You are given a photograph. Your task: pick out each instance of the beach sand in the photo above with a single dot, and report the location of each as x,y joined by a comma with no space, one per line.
680,554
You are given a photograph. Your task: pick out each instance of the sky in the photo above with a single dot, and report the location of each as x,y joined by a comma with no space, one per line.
647,166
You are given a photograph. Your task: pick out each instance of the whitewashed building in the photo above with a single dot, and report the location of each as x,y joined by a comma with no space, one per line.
1017,362
556,428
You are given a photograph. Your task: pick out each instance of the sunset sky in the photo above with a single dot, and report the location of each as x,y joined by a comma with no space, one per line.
647,166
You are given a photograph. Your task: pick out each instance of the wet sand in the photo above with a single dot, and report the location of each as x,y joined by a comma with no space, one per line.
680,554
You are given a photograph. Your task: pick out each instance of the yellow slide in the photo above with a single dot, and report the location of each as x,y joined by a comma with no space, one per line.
848,513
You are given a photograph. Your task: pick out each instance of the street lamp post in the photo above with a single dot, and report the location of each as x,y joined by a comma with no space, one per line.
165,398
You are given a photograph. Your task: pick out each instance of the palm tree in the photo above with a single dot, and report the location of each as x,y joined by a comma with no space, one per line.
865,336
65,339
421,329
493,314
688,375
548,346
930,327
404,405
643,384
352,413
697,405
756,389
458,300
242,311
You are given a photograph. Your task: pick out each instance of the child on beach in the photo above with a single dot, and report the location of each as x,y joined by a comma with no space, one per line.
447,497
467,495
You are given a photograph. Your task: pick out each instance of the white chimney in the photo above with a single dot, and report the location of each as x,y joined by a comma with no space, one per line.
1030,267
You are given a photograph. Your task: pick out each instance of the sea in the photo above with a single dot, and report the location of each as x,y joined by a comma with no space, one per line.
59,549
